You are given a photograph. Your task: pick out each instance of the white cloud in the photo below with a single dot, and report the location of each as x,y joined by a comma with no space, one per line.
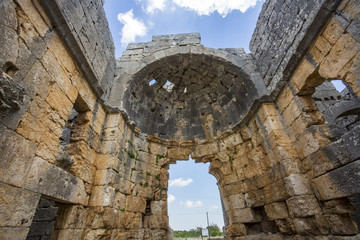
223,7
133,27
191,204
180,182
171,198
153,5
214,207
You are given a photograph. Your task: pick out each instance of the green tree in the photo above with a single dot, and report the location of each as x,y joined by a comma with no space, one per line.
215,230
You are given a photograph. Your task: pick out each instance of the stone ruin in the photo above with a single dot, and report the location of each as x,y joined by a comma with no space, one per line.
87,139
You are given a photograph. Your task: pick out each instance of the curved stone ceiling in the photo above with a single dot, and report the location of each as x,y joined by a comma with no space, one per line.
189,97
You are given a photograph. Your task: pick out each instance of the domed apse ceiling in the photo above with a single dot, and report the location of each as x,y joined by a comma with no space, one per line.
188,97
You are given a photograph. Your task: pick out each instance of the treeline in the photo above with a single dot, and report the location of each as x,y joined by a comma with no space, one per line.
214,231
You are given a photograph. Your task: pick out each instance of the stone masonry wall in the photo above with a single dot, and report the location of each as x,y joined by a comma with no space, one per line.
84,28
283,33
282,173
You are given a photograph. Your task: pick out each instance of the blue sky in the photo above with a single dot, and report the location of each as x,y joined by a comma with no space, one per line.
222,24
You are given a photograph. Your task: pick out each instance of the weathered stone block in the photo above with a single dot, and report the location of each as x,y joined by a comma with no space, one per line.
10,233
102,196
342,52
17,154
275,192
303,206
306,226
297,184
234,230
135,204
341,205
342,224
236,201
255,198
158,207
17,206
341,182
158,221
246,215
71,217
276,211
52,181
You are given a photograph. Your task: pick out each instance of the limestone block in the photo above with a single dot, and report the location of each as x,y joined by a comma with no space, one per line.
252,169
71,217
246,133
102,196
236,201
83,170
65,234
306,226
311,140
114,120
229,142
342,224
341,182
342,52
276,211
234,188
17,206
17,154
58,49
285,225
204,149
179,153
58,101
292,112
81,149
249,184
246,215
52,181
97,234
158,207
266,110
119,201
234,230
255,198
341,205
106,177
131,220
334,29
285,98
10,233
297,184
135,204
158,221
301,77
104,161
303,206
157,234
272,123
275,192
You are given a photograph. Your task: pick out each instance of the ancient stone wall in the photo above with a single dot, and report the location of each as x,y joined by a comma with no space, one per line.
283,170
283,33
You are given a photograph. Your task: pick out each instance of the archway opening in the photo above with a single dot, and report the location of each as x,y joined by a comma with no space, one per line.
194,200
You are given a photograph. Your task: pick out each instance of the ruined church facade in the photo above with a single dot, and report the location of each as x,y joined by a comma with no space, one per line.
86,140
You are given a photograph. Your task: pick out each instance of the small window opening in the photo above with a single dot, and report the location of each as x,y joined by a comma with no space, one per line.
338,84
152,82
168,86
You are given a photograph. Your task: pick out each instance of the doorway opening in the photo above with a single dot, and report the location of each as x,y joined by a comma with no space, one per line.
194,200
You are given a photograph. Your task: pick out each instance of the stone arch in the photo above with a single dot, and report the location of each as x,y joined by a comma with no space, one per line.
227,86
